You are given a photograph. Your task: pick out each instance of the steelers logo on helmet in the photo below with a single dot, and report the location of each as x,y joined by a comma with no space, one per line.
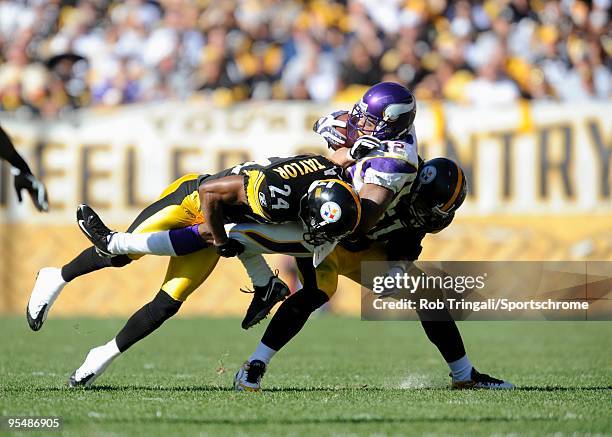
428,174
330,212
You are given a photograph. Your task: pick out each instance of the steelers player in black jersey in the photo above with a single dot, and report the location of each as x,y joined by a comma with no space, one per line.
276,190
23,177
429,207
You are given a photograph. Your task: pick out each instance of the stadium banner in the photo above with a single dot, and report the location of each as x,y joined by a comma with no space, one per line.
487,290
539,158
538,176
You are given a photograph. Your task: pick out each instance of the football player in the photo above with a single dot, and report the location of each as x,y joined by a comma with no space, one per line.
382,163
414,211
379,148
428,208
268,192
385,146
23,177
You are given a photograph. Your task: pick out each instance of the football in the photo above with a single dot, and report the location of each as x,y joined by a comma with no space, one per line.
343,131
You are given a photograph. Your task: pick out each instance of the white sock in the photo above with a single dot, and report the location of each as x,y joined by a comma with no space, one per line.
262,353
111,349
98,359
256,266
155,243
461,369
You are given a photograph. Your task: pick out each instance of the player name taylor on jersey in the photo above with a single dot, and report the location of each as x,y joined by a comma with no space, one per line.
275,186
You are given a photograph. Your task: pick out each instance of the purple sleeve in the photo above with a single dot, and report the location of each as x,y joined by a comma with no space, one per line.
387,165
351,171
186,240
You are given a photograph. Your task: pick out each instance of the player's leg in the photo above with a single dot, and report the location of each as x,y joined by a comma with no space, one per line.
184,275
269,289
443,332
291,317
173,242
172,209
262,238
439,326
256,238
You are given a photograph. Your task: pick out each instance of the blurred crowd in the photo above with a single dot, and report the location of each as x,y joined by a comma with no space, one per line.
59,55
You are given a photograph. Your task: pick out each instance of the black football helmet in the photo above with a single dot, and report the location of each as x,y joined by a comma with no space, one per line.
330,210
439,189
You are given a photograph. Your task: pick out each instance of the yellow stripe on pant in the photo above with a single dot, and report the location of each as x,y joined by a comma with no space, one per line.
178,207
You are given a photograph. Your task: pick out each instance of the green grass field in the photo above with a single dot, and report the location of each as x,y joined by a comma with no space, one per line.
340,377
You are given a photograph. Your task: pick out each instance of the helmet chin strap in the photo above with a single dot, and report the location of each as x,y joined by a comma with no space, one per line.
403,132
314,238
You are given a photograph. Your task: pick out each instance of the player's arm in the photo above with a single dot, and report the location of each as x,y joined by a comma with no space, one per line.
374,201
342,157
384,177
214,195
183,241
346,156
24,179
8,153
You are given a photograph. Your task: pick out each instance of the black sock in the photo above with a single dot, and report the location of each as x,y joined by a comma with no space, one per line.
291,317
89,261
147,319
445,335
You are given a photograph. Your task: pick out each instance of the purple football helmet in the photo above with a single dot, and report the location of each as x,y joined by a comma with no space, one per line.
386,111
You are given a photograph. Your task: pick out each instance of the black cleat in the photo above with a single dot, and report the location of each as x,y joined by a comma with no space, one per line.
482,380
47,287
248,377
72,381
36,323
264,300
94,229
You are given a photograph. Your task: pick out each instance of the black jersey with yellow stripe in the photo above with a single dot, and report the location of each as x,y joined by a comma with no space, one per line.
275,186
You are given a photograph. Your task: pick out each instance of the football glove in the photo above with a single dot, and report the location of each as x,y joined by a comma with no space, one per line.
363,146
38,192
230,249
326,127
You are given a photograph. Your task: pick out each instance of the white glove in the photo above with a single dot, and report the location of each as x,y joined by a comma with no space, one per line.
363,146
326,127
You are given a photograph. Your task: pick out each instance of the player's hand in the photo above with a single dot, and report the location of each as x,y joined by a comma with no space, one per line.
230,248
38,192
326,127
363,146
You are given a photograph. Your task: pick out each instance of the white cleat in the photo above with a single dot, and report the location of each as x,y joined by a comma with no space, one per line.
96,362
482,380
49,284
248,377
